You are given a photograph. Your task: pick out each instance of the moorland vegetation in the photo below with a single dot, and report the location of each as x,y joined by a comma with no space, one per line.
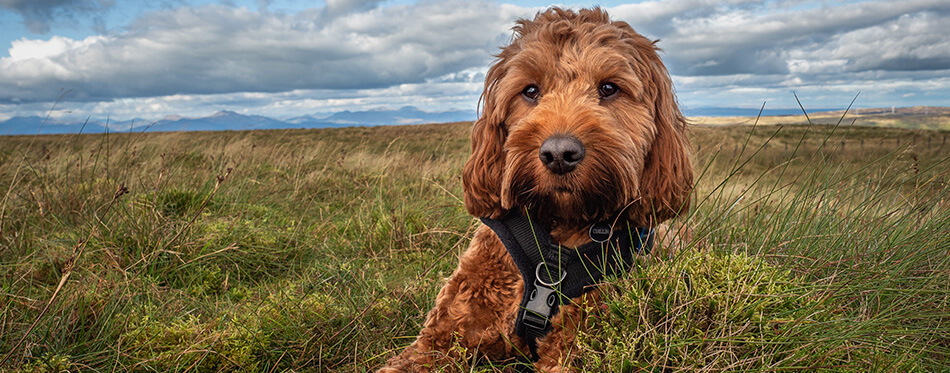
817,247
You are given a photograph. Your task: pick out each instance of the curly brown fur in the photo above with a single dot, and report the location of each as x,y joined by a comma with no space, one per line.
636,166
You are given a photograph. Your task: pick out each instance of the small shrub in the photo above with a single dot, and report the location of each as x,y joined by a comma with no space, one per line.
191,342
47,363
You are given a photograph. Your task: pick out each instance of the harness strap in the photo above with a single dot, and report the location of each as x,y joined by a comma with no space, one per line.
553,275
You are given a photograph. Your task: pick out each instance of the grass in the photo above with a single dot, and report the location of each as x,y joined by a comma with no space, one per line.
818,247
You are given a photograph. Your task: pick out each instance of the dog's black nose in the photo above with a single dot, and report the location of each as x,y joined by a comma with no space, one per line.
561,153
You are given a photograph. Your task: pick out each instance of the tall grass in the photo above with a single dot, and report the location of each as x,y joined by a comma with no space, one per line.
231,250
321,250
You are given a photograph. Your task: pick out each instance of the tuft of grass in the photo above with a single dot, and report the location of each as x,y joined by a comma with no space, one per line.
701,311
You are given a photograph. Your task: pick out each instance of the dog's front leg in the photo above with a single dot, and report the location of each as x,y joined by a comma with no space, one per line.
474,313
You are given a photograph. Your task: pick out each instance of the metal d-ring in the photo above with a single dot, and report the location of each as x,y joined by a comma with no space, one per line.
537,276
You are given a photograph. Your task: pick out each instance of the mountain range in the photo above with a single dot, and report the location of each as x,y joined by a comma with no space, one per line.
231,121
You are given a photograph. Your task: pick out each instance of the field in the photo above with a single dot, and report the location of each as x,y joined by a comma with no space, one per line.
818,247
918,117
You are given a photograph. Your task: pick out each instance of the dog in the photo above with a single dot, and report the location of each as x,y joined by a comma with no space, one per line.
579,125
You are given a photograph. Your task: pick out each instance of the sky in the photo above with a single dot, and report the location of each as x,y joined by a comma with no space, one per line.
124,59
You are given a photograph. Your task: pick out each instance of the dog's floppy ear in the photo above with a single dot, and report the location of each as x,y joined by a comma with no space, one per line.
667,179
481,179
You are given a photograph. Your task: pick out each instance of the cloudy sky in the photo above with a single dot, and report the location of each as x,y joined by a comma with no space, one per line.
126,59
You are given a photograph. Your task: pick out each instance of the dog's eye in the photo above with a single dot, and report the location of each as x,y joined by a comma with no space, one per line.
607,89
531,92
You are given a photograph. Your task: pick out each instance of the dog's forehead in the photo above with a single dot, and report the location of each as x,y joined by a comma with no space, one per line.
549,58
595,51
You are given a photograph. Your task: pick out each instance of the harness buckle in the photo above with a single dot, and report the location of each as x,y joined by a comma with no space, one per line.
537,312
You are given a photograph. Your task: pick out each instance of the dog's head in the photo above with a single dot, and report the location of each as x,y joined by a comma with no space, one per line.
578,123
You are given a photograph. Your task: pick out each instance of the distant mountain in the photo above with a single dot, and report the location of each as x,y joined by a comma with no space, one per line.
38,125
384,116
222,120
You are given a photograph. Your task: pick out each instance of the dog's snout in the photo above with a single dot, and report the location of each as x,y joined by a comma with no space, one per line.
561,154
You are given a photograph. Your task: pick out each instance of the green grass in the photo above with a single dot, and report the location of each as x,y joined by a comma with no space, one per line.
322,250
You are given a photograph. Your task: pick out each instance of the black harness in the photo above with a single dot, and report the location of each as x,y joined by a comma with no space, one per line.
553,275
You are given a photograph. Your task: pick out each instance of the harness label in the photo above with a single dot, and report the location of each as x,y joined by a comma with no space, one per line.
600,232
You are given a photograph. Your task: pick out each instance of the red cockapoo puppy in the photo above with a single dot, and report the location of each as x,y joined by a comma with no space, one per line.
579,154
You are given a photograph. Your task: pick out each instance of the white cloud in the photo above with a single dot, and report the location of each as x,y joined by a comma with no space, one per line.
916,41
219,49
709,38
25,49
